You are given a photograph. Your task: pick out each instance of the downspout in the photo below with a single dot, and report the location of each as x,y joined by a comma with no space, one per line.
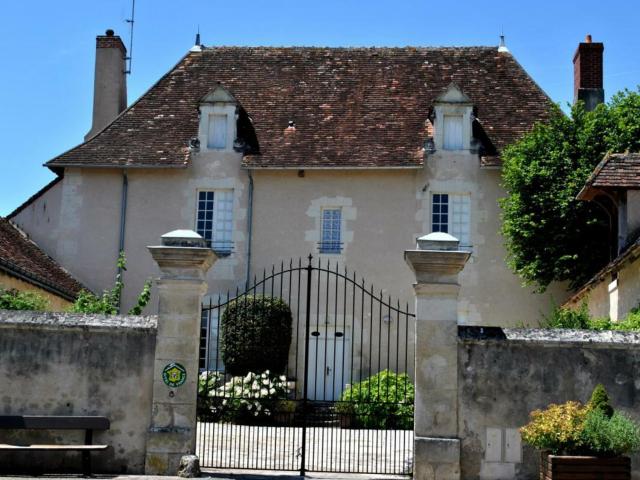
123,217
249,229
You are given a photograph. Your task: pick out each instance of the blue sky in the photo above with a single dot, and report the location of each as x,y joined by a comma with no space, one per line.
47,52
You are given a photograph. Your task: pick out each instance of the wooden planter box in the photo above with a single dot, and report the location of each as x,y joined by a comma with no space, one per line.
564,467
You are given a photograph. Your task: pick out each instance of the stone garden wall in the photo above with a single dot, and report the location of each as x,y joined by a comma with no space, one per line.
73,364
504,374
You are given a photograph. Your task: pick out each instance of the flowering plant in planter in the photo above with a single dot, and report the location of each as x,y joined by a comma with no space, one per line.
588,439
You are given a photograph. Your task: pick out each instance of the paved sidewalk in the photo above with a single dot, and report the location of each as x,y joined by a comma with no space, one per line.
228,446
221,475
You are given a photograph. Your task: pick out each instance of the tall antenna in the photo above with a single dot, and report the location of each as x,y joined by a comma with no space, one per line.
131,22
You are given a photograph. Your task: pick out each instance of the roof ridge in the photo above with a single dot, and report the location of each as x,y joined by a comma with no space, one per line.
351,48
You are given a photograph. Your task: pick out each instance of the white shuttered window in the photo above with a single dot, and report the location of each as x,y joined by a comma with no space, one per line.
217,136
451,213
215,220
452,132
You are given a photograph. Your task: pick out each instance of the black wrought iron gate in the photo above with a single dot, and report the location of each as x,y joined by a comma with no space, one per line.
337,397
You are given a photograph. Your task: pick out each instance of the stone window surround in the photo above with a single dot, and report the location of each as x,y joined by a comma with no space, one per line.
315,213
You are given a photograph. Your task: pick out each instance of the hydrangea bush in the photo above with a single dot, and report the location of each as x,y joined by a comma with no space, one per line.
252,398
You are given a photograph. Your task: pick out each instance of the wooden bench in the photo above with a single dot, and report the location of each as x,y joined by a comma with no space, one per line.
34,422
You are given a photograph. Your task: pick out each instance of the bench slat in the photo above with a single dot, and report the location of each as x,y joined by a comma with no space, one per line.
38,422
53,447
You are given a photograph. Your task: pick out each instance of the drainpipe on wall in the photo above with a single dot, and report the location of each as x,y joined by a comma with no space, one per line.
249,229
123,217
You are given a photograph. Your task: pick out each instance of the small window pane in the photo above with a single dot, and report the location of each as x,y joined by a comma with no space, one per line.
217,131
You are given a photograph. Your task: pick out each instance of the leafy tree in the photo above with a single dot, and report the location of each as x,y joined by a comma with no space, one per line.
551,236
109,302
22,300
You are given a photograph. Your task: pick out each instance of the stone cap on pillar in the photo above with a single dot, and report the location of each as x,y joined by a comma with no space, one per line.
183,254
437,258
183,238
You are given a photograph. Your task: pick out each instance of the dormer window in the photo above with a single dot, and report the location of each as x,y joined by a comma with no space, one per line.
453,132
224,124
453,112
217,135
218,119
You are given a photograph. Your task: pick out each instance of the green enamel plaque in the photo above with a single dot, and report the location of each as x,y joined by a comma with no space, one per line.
174,375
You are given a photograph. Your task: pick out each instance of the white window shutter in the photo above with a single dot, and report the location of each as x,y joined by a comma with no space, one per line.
460,219
217,135
223,224
452,132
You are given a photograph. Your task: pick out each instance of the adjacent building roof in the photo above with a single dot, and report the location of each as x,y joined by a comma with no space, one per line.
21,258
352,107
615,171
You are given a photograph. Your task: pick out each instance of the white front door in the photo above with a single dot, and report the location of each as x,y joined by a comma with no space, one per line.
327,358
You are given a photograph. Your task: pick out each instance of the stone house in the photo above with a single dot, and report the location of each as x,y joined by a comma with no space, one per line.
25,267
615,290
274,153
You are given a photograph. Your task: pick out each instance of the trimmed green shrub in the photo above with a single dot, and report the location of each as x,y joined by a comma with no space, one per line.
600,401
255,335
22,300
382,401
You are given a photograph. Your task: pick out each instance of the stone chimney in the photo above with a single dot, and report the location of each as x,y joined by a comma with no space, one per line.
110,83
587,73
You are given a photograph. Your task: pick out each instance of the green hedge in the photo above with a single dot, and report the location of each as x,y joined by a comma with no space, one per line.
382,401
255,335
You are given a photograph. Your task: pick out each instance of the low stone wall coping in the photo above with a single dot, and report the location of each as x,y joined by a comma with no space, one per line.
64,320
550,336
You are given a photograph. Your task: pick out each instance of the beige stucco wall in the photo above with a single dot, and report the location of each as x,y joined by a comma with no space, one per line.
609,296
41,218
56,303
86,238
383,211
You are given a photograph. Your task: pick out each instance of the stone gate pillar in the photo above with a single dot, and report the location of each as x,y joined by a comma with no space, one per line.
436,262
184,261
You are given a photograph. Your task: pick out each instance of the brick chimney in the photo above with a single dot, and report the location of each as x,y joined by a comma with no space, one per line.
587,73
110,82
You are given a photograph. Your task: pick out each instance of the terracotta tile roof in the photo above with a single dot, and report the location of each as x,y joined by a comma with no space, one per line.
352,107
20,257
616,170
